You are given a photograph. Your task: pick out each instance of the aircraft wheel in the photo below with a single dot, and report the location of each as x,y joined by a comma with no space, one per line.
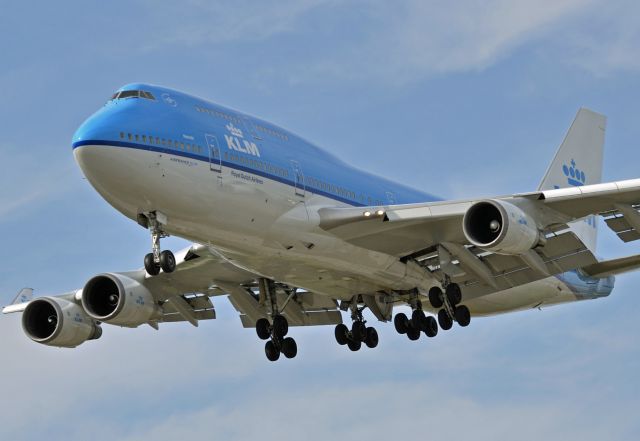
280,326
289,347
431,327
418,319
453,293
435,297
272,352
152,268
167,261
412,332
342,334
463,316
359,331
263,329
444,320
372,338
354,345
401,322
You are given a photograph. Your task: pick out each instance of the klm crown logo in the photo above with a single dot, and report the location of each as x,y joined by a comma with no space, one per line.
574,176
234,130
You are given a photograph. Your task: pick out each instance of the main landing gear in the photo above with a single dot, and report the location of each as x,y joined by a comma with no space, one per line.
449,302
275,334
157,259
276,330
418,323
359,332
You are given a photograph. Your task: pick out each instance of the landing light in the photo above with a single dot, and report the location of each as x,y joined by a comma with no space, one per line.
367,213
380,212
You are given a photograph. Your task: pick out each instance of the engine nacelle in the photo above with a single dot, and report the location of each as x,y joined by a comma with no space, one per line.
53,321
500,227
119,300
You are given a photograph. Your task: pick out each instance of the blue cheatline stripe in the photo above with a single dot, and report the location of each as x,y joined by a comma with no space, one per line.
230,165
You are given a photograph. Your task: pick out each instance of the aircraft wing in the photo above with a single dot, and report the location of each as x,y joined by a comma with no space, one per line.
432,234
201,273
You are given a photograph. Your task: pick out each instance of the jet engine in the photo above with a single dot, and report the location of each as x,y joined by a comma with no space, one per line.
58,322
501,227
119,300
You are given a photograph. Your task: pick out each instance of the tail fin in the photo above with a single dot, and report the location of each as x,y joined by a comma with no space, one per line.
578,162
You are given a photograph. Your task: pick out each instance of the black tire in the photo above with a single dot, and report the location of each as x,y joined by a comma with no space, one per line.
152,268
435,297
444,320
372,338
342,334
354,345
359,331
431,326
271,351
453,293
167,261
289,347
463,316
412,332
263,329
280,326
401,322
418,319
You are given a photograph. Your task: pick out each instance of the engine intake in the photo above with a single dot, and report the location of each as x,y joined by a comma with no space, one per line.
57,322
500,227
118,300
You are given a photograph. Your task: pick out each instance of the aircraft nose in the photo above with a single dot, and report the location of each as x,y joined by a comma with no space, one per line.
93,129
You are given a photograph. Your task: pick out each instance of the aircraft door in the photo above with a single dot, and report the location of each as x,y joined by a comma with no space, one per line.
298,178
215,158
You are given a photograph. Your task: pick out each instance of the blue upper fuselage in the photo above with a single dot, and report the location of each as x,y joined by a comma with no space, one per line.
147,117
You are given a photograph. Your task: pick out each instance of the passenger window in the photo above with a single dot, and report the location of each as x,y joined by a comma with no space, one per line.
144,138
129,136
137,139
121,135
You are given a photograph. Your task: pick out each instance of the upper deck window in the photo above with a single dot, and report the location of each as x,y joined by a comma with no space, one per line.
133,94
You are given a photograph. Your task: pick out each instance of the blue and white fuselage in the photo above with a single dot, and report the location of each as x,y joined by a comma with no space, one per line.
251,190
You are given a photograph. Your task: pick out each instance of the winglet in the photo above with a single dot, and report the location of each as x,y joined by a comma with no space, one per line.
19,302
25,295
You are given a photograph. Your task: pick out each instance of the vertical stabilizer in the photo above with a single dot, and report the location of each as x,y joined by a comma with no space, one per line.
578,162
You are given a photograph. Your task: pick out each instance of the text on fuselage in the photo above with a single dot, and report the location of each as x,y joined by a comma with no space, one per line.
235,141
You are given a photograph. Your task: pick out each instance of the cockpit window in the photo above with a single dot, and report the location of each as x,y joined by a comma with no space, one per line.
133,94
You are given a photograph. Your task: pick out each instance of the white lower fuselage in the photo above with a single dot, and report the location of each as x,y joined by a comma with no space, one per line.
269,227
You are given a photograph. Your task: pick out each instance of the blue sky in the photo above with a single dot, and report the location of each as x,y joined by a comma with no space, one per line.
461,100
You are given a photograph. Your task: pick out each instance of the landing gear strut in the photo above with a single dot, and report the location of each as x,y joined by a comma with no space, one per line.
158,259
449,301
276,330
359,332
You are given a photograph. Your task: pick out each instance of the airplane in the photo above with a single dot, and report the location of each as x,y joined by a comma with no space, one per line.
293,236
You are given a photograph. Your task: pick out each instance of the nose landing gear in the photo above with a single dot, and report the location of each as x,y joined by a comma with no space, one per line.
157,259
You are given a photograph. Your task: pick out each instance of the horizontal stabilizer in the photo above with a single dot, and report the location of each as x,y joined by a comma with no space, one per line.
613,266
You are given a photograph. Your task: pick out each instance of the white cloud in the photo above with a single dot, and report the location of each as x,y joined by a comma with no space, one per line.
224,21
412,39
